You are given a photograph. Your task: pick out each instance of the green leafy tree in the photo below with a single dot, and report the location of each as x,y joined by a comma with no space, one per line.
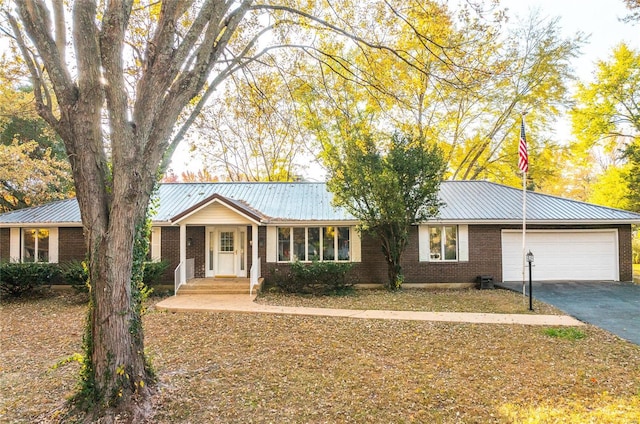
31,175
633,177
606,121
388,187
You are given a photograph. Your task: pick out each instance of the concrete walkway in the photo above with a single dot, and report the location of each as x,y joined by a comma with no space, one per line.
245,303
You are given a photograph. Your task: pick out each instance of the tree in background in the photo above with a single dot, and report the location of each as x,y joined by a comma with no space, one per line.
388,185
200,176
634,7
606,124
473,116
33,164
251,131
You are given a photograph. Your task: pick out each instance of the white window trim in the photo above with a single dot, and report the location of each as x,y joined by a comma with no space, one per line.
53,245
16,241
156,244
462,243
273,244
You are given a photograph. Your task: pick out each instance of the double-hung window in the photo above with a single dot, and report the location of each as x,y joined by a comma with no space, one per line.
443,243
35,245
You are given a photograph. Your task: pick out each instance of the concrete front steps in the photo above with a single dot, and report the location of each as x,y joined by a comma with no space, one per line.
217,286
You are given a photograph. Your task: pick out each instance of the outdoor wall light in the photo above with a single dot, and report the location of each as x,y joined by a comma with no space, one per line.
189,242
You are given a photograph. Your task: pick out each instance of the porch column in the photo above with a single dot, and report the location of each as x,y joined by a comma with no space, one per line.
183,253
254,248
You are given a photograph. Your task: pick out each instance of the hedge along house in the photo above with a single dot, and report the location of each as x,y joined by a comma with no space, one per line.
245,230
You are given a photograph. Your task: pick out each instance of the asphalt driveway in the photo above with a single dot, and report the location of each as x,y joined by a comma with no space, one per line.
612,306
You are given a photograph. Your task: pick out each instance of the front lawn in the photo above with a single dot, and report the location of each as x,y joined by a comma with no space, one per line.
231,368
498,301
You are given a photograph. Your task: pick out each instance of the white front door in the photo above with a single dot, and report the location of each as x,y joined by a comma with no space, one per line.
226,252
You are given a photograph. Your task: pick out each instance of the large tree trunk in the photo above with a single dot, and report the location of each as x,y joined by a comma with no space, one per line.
116,381
394,242
117,344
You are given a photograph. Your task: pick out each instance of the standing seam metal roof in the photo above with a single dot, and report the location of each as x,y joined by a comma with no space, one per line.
475,201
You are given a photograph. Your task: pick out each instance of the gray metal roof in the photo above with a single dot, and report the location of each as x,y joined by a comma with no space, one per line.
486,201
275,201
465,201
58,212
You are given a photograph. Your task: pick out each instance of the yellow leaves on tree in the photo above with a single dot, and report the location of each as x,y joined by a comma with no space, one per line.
27,179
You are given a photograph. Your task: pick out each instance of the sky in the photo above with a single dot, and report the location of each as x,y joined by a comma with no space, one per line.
599,19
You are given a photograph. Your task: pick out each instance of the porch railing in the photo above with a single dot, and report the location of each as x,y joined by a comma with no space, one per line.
189,273
254,275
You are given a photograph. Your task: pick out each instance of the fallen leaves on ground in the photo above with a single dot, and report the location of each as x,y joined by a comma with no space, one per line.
254,368
468,300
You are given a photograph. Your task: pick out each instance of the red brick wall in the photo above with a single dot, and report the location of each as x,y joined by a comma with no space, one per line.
262,250
624,253
485,257
249,251
170,251
71,244
196,250
484,254
5,241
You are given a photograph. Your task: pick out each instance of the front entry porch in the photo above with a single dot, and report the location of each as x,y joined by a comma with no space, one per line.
210,285
218,247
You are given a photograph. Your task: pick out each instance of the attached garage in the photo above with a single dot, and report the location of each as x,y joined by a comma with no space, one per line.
562,254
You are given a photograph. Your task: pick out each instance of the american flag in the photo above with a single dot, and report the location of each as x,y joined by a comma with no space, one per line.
523,155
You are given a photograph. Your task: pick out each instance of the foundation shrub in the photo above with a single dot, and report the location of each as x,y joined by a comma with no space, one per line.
152,272
75,274
22,279
316,278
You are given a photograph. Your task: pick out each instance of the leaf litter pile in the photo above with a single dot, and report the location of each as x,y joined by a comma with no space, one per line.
253,368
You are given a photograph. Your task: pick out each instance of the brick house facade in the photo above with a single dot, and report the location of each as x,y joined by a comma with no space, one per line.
213,225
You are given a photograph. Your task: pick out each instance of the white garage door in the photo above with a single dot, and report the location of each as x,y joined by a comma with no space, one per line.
562,255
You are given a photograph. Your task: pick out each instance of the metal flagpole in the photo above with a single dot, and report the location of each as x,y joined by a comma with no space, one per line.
523,165
524,227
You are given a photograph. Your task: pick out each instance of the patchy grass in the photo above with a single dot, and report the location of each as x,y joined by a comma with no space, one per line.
469,300
228,368
567,333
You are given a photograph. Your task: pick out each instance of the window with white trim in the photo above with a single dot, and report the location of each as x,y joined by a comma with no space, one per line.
35,245
443,243
308,244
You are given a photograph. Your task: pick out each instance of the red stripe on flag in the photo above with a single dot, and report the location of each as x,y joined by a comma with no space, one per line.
523,155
